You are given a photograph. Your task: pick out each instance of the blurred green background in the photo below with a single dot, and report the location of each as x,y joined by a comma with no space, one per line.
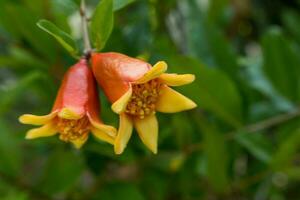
242,142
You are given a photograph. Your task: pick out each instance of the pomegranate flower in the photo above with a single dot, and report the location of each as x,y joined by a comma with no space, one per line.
137,90
75,111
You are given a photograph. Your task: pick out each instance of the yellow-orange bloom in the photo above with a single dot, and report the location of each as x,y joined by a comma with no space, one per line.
137,90
75,112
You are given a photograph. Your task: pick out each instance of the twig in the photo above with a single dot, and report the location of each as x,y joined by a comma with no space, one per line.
262,125
265,124
84,24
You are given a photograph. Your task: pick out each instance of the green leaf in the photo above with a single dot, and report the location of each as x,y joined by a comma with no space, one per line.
119,4
21,58
102,23
281,64
119,191
10,151
257,144
217,10
23,22
62,170
10,96
62,37
216,154
222,52
286,151
215,91
291,21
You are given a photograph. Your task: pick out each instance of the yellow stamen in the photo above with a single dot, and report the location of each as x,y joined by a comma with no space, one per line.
71,130
143,99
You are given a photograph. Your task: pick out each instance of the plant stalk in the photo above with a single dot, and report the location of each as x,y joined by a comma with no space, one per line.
85,32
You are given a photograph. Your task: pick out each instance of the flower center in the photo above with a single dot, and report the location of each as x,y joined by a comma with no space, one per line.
71,130
143,99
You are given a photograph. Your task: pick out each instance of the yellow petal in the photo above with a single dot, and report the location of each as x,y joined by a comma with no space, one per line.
68,113
124,133
44,131
36,120
79,142
148,131
171,101
102,136
177,79
120,105
158,69
109,130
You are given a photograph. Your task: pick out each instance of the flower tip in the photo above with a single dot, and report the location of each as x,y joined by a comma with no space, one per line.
162,65
22,119
79,142
77,146
191,78
158,69
154,151
67,113
152,147
29,136
193,104
120,105
112,131
118,149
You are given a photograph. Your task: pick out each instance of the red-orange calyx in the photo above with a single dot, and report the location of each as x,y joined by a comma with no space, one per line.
75,112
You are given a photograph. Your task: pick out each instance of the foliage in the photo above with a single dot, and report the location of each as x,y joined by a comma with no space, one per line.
241,143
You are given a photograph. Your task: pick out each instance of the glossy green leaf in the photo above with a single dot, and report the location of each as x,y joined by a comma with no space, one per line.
291,20
217,8
11,95
102,23
216,155
10,151
281,64
257,144
287,150
119,4
222,52
62,170
215,91
62,37
23,22
119,191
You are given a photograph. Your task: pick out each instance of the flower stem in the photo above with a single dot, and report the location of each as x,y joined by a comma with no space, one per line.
85,32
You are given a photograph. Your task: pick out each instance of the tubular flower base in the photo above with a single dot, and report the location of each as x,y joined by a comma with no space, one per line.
137,90
75,111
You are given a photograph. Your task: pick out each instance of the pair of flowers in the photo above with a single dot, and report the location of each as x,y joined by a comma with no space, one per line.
136,90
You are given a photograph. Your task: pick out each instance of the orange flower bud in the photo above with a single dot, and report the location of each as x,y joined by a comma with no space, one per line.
137,90
75,112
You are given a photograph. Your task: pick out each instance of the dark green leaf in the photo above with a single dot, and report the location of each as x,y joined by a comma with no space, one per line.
256,144
10,151
23,22
286,151
62,171
119,4
281,64
62,37
120,191
216,154
291,20
11,95
102,23
222,53
215,91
